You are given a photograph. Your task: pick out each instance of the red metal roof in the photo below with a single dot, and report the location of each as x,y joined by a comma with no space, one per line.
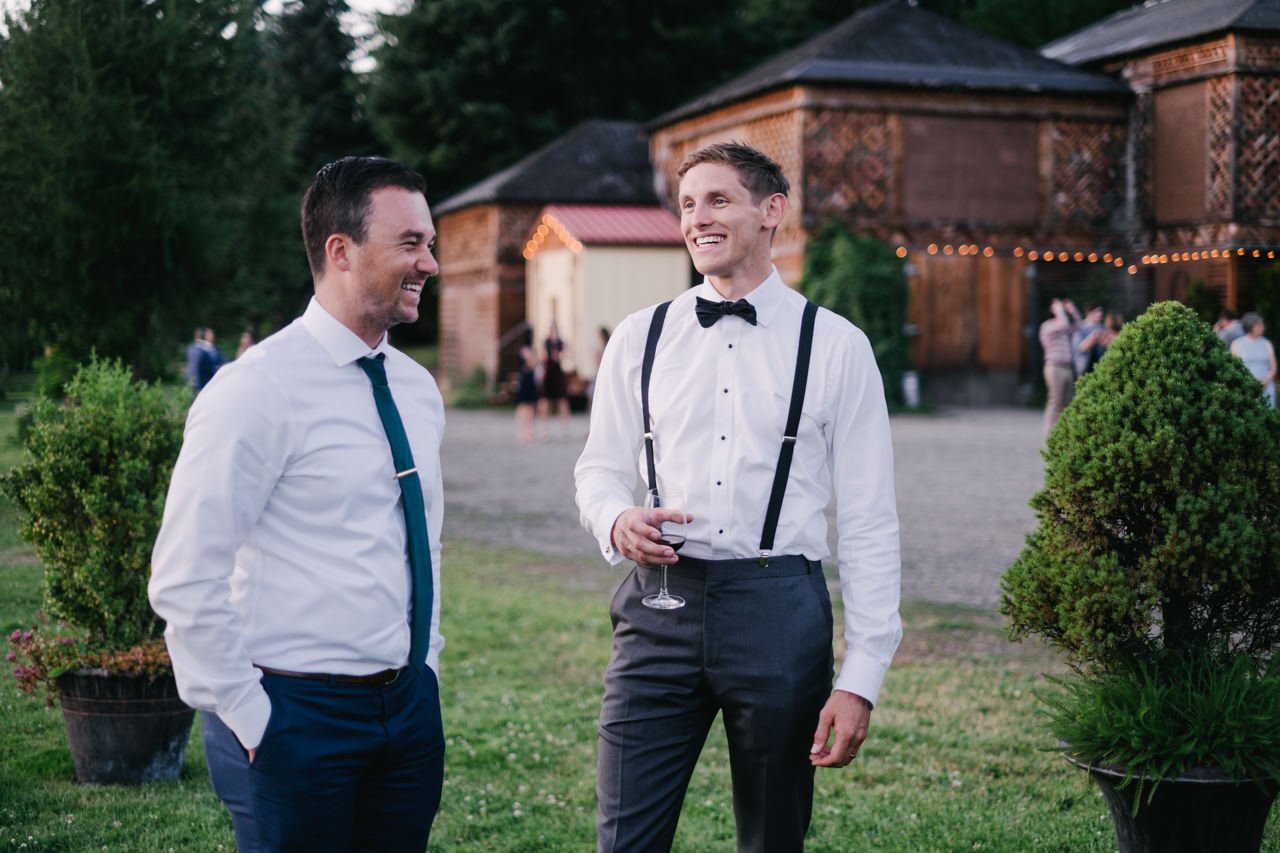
619,225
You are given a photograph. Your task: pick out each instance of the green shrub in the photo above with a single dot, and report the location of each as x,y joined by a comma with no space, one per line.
1160,514
90,493
54,370
472,392
860,278
1159,522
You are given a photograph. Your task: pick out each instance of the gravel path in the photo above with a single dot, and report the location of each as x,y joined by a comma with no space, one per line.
963,476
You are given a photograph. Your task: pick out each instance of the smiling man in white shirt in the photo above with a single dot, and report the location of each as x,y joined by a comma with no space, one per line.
298,564
754,639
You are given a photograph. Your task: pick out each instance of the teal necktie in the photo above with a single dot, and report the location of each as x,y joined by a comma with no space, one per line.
415,515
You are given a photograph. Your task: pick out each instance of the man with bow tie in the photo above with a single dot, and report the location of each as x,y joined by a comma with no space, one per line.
759,407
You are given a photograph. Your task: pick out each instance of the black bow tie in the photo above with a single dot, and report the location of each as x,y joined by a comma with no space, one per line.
709,312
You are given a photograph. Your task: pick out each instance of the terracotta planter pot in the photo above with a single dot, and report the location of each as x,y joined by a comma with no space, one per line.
1190,813
124,729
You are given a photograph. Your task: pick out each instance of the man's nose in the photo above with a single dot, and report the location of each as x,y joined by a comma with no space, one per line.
427,263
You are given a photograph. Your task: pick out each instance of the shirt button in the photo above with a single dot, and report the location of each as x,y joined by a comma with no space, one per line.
722,530
722,438
726,390
730,346
717,482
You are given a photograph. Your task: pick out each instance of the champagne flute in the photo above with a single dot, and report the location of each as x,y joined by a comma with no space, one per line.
673,536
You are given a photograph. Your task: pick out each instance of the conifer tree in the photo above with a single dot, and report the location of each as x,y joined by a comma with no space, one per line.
140,144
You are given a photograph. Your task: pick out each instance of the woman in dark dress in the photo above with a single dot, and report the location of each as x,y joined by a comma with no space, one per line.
526,394
554,387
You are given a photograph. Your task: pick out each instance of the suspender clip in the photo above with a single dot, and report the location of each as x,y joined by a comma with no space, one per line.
790,438
397,475
764,559
648,436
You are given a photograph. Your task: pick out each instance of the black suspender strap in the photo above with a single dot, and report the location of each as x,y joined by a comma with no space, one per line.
790,433
646,370
783,471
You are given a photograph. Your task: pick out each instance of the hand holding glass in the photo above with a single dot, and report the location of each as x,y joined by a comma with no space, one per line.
673,535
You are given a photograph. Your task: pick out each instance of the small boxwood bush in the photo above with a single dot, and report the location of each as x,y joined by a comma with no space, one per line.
90,493
1157,554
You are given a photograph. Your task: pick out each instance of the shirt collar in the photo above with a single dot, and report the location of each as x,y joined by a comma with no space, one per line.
343,345
765,297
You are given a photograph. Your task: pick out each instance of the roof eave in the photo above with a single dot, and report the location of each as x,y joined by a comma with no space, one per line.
1101,86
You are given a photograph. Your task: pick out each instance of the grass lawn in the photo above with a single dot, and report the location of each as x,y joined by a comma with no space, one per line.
954,761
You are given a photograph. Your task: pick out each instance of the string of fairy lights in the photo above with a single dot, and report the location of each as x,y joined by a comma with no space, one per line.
1094,257
547,226
550,225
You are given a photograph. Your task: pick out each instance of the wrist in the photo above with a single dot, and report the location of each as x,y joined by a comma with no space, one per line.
862,699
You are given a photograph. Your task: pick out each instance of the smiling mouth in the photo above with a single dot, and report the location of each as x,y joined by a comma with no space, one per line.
412,286
708,241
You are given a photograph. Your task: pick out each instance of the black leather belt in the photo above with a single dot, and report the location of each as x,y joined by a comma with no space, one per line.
373,679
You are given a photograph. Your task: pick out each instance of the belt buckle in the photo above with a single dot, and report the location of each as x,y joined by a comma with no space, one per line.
395,676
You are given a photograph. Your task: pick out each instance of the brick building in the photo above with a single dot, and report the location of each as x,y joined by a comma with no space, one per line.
951,144
483,231
1120,163
1202,195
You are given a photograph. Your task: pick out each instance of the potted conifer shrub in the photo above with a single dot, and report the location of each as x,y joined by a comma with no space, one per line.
90,494
1155,567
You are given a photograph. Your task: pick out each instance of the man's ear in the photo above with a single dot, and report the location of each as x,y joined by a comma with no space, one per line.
775,207
337,252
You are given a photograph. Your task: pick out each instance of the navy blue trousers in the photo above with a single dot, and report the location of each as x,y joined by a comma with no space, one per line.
753,644
341,767
229,773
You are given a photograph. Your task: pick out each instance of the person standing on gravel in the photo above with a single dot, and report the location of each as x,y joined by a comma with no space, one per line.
706,395
1059,367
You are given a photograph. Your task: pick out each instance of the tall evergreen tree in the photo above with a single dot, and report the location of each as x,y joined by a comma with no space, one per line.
312,59
465,87
310,64
1035,24
136,137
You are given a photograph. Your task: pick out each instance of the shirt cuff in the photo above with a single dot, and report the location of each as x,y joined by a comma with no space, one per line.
249,722
605,519
862,676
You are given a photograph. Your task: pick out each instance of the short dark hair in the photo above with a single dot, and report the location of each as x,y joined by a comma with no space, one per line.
1249,321
338,200
759,174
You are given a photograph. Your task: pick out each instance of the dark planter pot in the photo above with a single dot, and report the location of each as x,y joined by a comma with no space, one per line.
1186,814
124,729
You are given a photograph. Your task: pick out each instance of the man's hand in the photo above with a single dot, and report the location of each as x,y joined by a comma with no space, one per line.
847,716
636,534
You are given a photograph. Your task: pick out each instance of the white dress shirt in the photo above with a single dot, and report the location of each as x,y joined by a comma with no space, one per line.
718,400
283,541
